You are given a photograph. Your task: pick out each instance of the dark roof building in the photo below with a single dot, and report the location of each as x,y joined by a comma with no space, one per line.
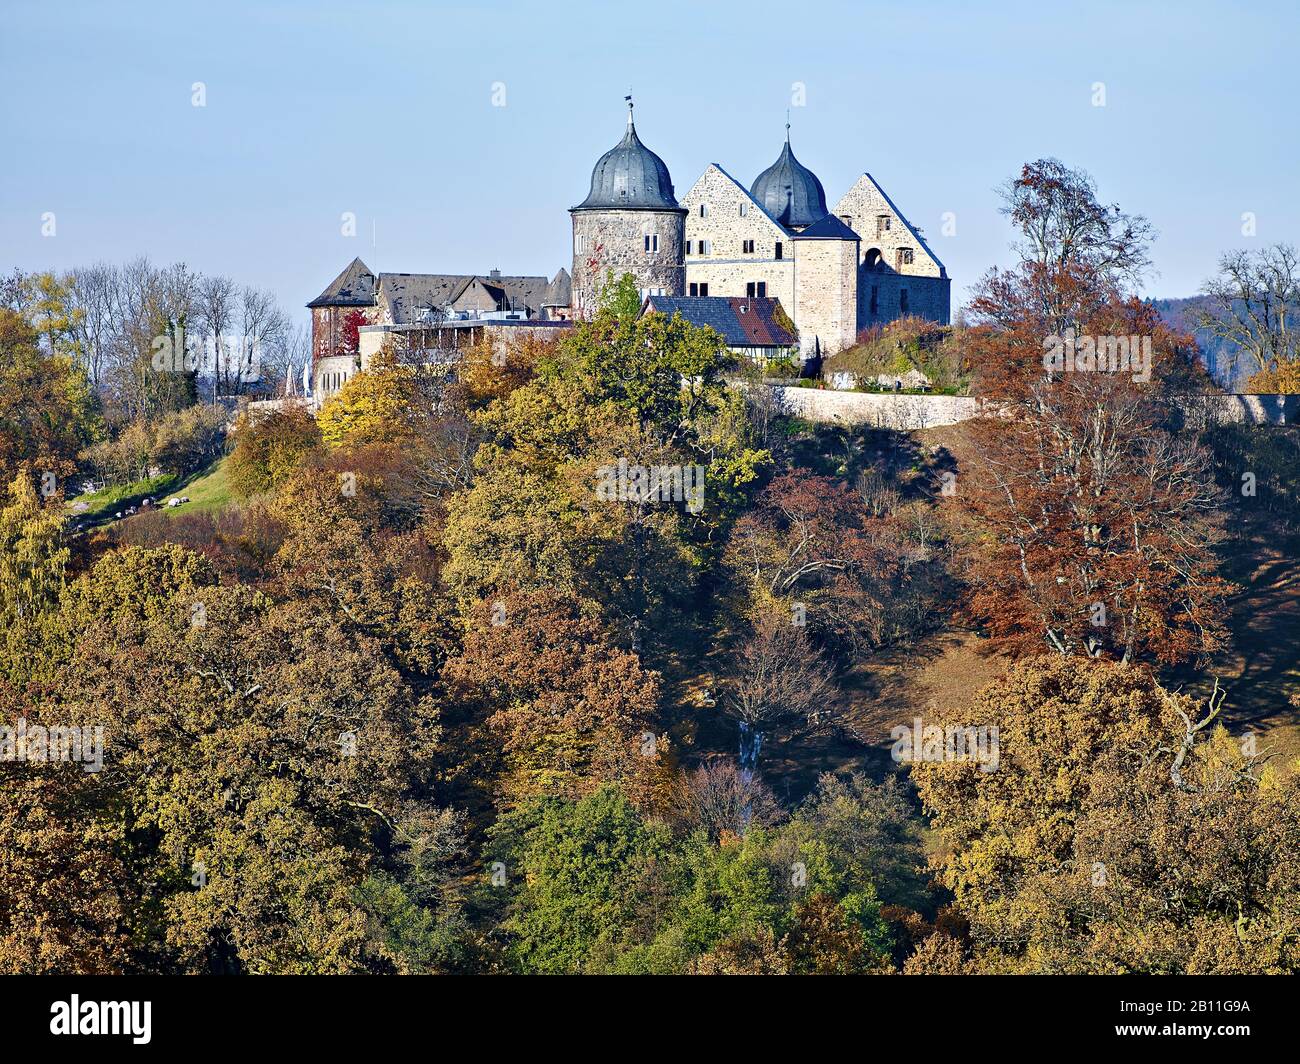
828,228
789,191
354,287
756,326
409,297
630,175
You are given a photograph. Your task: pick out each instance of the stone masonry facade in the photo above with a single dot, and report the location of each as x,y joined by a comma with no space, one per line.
732,243
898,273
735,248
649,244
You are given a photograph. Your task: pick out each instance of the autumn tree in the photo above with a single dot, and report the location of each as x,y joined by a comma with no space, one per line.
48,413
268,447
1091,521
1124,830
569,710
809,548
268,753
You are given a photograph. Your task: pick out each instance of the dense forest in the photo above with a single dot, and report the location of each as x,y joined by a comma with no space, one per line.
553,661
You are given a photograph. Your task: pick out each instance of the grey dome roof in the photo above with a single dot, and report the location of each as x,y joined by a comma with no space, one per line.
790,192
630,175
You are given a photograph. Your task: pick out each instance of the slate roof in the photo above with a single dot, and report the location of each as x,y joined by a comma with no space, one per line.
630,175
742,322
354,287
789,191
828,228
409,294
559,293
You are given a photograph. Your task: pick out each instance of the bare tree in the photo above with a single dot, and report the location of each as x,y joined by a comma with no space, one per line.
265,333
217,305
1255,302
723,799
778,680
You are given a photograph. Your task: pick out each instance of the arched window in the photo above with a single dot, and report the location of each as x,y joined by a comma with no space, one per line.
873,260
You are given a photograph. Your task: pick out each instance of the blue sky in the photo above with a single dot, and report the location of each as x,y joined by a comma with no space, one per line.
386,110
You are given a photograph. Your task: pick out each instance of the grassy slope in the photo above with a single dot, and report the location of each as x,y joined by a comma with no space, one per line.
207,491
206,488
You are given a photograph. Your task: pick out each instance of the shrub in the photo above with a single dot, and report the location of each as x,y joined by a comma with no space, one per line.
269,447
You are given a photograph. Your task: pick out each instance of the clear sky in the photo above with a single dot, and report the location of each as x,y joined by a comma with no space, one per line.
387,110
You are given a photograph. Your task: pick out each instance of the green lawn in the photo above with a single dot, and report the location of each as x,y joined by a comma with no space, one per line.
206,489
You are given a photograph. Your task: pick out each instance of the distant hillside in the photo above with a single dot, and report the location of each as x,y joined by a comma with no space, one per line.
1217,355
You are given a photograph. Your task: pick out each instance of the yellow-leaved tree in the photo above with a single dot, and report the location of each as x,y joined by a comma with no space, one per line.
372,407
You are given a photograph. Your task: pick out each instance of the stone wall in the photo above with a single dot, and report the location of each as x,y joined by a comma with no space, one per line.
728,269
911,412
826,295
902,412
869,212
605,240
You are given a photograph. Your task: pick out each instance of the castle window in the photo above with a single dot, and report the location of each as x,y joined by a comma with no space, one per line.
690,247
744,209
747,247
704,289
756,288
780,250
875,300
847,219
695,289
883,222
706,246
749,290
902,301
651,243
704,210
873,260
904,257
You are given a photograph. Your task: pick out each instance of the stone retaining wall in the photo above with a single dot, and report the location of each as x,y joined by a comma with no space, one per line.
910,412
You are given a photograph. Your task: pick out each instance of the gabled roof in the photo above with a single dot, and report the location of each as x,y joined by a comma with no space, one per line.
894,207
409,294
744,192
559,293
354,287
827,228
741,321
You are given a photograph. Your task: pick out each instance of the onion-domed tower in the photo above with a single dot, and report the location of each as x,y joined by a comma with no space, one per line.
629,223
790,192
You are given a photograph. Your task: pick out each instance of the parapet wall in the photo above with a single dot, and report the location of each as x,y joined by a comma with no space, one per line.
908,413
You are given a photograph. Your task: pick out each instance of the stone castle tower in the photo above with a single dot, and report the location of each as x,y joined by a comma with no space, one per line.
629,223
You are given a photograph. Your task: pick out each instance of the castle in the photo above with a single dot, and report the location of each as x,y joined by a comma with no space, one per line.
835,273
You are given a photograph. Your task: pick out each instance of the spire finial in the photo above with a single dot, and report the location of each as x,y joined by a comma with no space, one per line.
630,105
787,126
